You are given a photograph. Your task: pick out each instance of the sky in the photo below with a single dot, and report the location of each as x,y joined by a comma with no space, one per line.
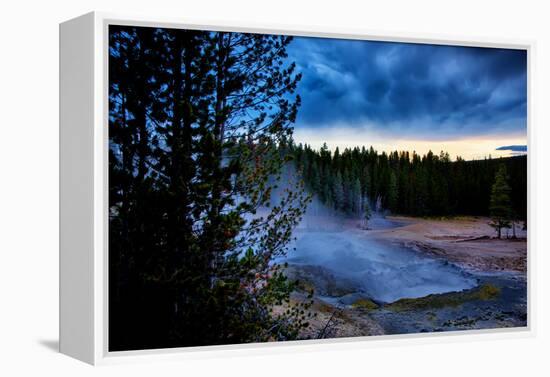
468,101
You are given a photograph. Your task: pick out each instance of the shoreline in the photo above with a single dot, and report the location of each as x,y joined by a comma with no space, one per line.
464,241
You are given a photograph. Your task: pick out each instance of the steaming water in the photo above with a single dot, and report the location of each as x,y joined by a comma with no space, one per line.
383,271
380,269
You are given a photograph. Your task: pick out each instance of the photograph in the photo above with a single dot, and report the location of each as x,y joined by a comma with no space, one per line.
270,188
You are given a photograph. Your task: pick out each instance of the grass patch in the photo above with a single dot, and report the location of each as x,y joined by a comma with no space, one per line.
364,303
323,307
453,299
305,286
488,292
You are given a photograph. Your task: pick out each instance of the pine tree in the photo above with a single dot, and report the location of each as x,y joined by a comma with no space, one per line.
367,214
500,205
200,124
392,192
356,197
338,192
315,177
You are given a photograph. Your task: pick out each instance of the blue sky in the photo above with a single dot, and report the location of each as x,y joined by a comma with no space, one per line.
403,96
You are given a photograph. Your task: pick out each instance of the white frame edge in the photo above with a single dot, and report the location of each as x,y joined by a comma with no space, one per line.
84,192
76,176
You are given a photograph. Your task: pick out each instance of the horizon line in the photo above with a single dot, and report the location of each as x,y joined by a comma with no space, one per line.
512,154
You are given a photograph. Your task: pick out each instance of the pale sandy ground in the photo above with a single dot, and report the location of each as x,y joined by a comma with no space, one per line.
469,242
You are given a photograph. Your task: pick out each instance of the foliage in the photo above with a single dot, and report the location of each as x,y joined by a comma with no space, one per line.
198,123
407,183
500,205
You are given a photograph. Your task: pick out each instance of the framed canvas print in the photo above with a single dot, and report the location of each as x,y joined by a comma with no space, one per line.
244,187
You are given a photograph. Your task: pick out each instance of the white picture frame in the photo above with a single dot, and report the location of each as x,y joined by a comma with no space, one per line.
84,188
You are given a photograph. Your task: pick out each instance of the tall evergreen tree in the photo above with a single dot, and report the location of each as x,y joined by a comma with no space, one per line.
356,197
392,192
501,206
199,128
367,214
338,197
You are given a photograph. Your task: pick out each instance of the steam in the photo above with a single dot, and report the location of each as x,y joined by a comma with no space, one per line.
384,272
381,270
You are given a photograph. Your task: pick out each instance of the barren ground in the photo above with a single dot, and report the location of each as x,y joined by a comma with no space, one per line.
469,242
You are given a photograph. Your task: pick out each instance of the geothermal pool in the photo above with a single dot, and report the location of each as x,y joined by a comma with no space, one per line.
379,269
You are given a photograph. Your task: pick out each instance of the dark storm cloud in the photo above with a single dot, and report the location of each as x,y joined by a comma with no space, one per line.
430,90
513,148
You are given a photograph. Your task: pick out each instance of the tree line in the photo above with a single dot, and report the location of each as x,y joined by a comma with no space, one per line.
196,124
361,179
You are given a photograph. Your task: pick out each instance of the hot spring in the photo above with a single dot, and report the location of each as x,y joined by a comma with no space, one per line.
379,269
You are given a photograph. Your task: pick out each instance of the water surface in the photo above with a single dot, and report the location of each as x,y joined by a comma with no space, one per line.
381,270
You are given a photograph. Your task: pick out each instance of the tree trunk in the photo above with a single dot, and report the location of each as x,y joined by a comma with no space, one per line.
140,107
175,231
219,122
